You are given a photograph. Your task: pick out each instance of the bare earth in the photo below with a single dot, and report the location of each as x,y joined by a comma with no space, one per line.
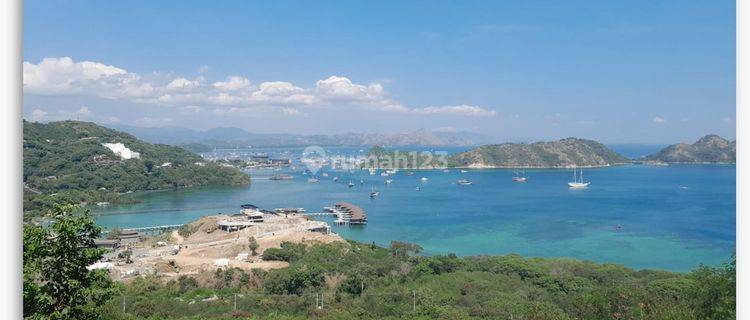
203,250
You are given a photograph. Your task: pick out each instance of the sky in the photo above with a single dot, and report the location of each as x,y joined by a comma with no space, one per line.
614,71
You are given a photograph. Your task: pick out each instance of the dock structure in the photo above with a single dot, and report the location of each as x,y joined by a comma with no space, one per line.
155,228
350,214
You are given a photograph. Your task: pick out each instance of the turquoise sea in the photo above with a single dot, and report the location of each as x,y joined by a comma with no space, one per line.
673,217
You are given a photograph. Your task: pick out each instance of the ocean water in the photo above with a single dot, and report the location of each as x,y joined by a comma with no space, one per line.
674,217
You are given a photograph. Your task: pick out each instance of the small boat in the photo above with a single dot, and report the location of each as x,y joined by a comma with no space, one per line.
373,171
374,194
388,181
464,171
424,179
335,179
410,173
313,180
418,189
324,174
384,174
464,182
351,184
361,181
576,184
519,178
446,171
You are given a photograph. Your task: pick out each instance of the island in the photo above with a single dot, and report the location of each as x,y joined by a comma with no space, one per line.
709,149
565,153
81,162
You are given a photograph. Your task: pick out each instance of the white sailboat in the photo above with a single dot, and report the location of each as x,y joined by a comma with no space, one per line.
576,184
519,178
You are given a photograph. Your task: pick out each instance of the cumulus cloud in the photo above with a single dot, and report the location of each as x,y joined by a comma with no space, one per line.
38,115
658,119
84,112
63,76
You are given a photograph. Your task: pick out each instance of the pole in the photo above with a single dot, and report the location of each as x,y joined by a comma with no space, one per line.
235,302
123,304
414,304
321,300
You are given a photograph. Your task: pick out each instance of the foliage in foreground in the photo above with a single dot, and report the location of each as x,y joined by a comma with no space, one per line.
56,282
365,281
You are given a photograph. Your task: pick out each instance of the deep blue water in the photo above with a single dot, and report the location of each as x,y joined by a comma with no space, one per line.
675,217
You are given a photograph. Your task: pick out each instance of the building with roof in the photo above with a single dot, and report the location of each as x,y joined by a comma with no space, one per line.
350,213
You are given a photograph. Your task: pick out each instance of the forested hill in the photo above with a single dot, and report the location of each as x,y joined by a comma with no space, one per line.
709,149
555,154
68,161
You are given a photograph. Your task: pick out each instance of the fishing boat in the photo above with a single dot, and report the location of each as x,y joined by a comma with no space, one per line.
519,178
578,182
464,182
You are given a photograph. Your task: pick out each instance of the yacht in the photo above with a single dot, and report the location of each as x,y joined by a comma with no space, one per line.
519,178
351,184
576,184
388,181
464,182
313,180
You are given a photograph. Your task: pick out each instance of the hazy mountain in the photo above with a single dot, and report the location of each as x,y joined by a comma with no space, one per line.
224,137
709,149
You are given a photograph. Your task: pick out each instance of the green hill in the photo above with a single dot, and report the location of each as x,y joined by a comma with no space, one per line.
555,154
67,162
709,149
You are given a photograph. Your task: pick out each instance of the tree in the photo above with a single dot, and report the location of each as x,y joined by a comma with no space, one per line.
57,283
403,249
253,244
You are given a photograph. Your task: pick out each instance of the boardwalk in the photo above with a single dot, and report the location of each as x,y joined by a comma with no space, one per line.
157,228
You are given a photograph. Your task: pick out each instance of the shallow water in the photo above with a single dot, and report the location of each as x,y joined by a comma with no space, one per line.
675,217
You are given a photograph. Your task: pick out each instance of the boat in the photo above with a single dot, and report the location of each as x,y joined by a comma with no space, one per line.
388,181
351,184
446,171
281,176
384,174
373,171
464,171
410,173
519,178
324,174
464,182
313,180
361,181
418,189
576,184
335,179
424,179
374,194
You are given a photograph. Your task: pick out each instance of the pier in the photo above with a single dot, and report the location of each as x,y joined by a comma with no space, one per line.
156,228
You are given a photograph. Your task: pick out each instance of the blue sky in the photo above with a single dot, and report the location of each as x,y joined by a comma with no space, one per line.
615,71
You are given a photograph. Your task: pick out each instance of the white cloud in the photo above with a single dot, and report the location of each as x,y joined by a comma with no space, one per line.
233,83
38,115
658,119
460,110
84,112
63,76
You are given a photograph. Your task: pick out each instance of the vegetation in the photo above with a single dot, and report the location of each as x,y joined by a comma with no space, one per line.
56,282
253,245
709,149
555,154
366,281
65,162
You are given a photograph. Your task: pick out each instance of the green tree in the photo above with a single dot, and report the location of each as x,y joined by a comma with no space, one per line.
57,283
253,244
403,249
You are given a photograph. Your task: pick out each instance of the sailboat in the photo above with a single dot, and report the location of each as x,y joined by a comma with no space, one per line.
374,193
576,184
351,184
519,178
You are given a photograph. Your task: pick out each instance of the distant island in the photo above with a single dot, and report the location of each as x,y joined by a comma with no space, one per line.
565,153
236,138
81,162
709,149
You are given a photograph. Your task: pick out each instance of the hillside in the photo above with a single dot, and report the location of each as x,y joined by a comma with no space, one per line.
68,161
556,154
709,149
